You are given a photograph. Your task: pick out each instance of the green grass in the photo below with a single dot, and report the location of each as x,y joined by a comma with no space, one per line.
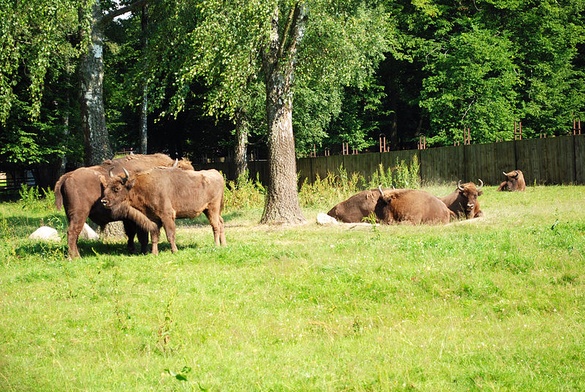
491,304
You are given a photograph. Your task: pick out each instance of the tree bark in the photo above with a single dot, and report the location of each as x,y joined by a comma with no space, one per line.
241,156
144,106
282,202
93,118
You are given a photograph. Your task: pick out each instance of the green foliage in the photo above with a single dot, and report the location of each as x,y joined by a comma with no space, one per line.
402,175
29,194
341,185
446,67
472,86
325,191
35,44
35,199
244,193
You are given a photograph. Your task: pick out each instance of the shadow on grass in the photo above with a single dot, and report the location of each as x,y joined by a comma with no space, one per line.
91,248
201,220
23,226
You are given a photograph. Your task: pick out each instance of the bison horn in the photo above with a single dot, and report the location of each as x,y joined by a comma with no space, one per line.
176,162
459,186
506,174
126,175
380,189
480,183
111,174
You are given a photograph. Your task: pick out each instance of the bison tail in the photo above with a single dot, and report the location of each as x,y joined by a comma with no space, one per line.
141,220
58,194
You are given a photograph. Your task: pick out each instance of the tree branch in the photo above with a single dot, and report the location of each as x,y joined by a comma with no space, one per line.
121,11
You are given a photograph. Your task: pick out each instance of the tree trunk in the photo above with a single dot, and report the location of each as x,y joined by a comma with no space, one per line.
282,201
93,118
144,106
241,156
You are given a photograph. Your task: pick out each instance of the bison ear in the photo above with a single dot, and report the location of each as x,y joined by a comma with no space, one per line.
479,193
130,183
103,181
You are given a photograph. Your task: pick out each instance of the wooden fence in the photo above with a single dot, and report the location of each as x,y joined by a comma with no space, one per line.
556,160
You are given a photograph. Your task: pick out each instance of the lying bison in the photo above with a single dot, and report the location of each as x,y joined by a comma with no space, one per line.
80,193
463,201
392,206
514,182
158,196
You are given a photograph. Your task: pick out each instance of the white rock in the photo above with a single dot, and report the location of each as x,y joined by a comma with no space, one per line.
324,219
45,233
87,233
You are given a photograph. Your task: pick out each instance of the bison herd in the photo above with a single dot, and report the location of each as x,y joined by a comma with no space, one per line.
147,192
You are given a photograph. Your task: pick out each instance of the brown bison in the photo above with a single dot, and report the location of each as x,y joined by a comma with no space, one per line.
392,206
158,196
463,201
80,193
514,182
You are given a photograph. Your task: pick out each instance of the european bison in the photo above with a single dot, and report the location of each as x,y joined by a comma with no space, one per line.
514,182
80,193
463,201
158,196
392,206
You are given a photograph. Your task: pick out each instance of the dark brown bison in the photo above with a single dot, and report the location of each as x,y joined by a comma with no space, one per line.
80,193
158,196
392,206
514,182
463,201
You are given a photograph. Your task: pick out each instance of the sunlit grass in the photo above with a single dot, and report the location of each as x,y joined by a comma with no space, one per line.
495,303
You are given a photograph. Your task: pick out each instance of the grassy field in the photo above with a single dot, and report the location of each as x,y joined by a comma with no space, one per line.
491,304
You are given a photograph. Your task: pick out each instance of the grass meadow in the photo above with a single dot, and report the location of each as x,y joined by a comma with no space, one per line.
496,303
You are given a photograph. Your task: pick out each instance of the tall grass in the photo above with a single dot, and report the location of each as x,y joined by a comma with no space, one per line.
495,303
335,187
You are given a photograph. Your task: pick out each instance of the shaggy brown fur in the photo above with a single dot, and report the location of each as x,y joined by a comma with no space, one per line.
392,206
463,201
159,196
515,182
80,193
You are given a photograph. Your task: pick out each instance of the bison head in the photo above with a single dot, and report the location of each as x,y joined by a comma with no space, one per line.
469,192
116,189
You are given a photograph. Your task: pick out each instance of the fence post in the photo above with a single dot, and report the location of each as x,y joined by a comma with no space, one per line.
382,138
576,127
518,131
467,136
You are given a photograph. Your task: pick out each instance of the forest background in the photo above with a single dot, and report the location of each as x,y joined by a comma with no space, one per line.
82,79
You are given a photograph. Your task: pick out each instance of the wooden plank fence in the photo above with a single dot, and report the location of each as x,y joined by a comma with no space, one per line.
555,160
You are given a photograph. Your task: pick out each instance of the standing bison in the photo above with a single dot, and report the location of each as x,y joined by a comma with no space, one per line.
158,196
514,182
463,201
80,193
392,206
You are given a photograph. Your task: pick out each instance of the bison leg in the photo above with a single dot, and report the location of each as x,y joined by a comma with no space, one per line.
154,236
216,222
143,239
132,230
75,226
170,228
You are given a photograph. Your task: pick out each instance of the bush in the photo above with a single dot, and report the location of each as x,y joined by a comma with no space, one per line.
244,193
